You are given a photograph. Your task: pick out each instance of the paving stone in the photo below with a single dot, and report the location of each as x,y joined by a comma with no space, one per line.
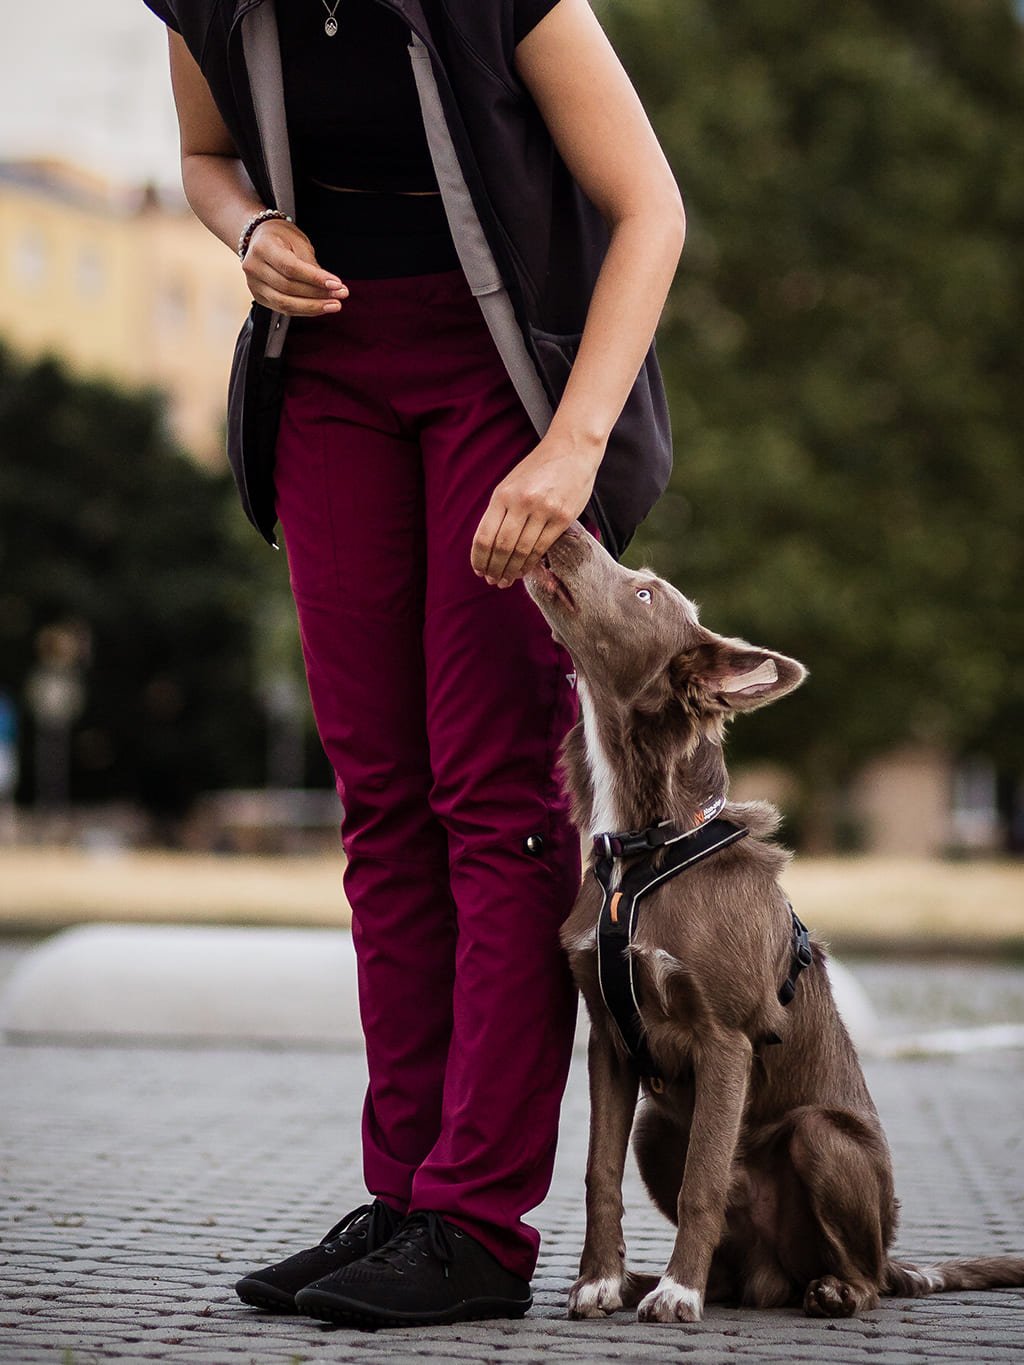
139,1183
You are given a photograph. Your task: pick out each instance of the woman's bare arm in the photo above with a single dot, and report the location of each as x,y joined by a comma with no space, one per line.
280,265
602,133
604,137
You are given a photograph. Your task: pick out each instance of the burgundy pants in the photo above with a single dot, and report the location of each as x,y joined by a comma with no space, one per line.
441,702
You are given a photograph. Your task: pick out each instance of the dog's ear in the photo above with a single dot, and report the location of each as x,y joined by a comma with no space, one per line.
735,675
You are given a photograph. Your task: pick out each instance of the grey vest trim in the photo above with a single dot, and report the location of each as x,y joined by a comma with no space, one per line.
475,256
263,62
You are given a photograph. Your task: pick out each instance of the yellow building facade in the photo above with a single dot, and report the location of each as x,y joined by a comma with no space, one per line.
122,286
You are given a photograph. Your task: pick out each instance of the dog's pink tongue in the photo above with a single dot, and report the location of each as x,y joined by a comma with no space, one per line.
550,582
545,581
542,576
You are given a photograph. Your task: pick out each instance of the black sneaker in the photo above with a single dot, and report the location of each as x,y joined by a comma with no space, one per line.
364,1229
430,1272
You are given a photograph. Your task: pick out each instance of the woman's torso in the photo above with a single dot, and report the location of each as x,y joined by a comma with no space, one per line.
365,188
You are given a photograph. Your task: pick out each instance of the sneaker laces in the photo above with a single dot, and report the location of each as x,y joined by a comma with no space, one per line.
378,1225
422,1234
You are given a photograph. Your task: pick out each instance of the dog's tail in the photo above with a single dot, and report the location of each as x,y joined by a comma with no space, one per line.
635,1284
983,1272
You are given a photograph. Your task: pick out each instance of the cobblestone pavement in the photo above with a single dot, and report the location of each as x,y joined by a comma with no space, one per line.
914,995
138,1183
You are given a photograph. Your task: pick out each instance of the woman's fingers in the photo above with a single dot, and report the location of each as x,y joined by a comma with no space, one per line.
552,530
272,278
484,540
508,540
282,272
507,567
281,257
527,513
288,303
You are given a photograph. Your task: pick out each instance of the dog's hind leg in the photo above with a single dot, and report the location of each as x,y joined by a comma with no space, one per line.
613,1092
843,1162
659,1145
722,1072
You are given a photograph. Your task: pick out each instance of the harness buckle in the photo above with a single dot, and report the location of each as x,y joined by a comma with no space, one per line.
801,940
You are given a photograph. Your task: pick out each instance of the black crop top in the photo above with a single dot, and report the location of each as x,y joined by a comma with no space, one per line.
353,112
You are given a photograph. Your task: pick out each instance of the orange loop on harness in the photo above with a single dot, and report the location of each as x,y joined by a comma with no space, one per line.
613,909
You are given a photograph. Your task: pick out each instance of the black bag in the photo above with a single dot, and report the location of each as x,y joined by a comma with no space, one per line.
255,392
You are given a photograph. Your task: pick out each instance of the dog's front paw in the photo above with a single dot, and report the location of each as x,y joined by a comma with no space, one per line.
595,1298
671,1302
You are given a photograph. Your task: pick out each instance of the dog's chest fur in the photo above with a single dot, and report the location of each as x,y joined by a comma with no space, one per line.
593,785
600,775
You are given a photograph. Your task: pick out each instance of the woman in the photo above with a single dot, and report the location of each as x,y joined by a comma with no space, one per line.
414,494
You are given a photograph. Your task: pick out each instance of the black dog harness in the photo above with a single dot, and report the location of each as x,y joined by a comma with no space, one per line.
619,914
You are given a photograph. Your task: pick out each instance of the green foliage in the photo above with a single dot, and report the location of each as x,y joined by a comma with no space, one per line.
843,350
105,525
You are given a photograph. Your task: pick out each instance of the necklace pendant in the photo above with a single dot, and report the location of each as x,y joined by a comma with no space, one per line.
331,26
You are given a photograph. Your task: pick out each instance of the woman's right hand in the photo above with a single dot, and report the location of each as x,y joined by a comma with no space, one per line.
280,264
282,273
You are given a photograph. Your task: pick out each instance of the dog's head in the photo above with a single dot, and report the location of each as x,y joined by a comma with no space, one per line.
636,640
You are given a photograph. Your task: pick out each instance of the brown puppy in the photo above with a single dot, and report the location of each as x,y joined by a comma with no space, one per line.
769,1158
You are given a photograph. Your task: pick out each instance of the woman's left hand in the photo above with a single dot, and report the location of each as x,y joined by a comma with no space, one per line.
532,506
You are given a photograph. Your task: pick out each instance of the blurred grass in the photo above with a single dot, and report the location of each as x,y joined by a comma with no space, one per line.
48,888
856,903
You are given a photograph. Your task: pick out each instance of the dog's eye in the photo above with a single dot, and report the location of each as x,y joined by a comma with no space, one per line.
644,594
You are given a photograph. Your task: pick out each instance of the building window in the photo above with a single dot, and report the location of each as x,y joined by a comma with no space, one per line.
224,317
172,307
30,259
90,274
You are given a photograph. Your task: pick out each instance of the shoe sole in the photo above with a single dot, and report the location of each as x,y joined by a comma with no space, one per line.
265,1296
351,1312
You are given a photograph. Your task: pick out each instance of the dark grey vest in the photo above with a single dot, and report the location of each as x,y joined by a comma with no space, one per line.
529,241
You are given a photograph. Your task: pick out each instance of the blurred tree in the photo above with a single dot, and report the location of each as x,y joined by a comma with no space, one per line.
111,532
843,351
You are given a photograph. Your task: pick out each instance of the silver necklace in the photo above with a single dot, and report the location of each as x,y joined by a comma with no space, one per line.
330,23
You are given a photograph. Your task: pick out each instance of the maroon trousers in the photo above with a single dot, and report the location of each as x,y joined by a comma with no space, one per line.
441,702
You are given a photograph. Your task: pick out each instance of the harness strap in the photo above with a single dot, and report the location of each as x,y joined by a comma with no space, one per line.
617,923
802,957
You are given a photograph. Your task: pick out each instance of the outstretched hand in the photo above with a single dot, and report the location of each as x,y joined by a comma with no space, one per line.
531,507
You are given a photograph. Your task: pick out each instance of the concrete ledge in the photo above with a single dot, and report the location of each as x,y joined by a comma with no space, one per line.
184,982
187,983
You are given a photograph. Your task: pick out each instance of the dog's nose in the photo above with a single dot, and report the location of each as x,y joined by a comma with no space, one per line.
574,530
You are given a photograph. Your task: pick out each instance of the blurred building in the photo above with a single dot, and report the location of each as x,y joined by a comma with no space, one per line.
915,801
123,284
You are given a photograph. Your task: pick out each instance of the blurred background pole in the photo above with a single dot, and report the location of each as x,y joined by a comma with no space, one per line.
8,766
56,698
284,702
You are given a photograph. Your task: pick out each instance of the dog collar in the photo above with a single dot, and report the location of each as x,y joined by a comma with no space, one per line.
621,843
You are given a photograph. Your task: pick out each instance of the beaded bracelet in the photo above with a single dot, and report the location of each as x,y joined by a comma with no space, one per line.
262,217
